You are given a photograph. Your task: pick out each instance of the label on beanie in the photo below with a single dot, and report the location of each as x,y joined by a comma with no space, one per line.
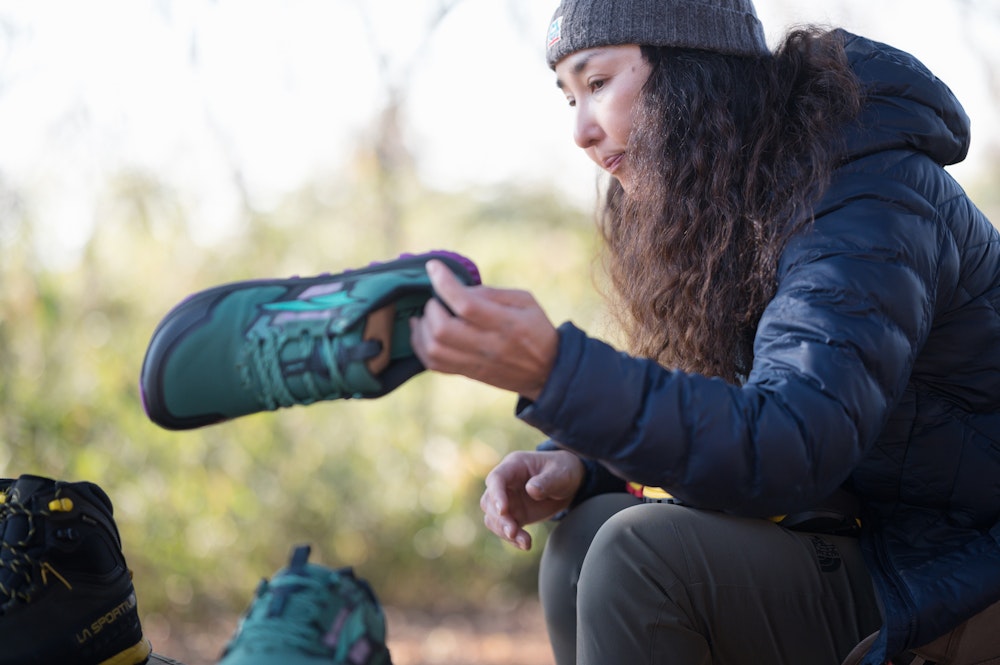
555,32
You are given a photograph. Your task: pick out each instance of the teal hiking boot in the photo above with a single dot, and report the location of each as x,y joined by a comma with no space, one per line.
308,614
66,593
261,345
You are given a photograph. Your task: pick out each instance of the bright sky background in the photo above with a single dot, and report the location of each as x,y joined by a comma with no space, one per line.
186,89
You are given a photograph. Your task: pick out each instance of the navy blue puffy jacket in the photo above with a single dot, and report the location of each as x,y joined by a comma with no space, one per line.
876,367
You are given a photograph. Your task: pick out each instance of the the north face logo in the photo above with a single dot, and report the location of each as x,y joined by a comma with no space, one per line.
827,555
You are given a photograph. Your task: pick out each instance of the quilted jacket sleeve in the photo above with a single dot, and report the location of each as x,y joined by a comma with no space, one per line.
833,351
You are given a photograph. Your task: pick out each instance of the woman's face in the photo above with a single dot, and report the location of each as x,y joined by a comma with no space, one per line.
602,85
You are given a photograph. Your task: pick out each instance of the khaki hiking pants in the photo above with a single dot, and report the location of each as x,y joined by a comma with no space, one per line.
664,584
626,582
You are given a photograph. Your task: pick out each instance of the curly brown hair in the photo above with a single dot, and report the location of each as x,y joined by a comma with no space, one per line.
730,155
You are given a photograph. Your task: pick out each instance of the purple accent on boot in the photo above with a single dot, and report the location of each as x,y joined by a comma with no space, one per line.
466,262
444,253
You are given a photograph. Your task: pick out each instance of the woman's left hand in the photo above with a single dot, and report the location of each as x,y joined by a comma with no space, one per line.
500,337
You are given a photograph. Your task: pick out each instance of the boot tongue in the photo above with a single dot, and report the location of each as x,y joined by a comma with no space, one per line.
28,487
22,489
17,502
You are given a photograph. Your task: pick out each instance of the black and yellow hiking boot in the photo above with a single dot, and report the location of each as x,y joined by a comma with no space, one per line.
66,593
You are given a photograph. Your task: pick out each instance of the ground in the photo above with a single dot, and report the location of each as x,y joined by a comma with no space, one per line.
515,636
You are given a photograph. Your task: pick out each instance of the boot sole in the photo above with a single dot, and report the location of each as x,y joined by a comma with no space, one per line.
135,655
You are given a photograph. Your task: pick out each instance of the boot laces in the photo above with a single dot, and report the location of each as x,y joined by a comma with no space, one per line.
293,617
321,371
17,582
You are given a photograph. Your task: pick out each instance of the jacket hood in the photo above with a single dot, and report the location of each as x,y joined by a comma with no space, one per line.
907,107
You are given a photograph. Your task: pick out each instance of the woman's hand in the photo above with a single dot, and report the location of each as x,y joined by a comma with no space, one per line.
500,337
527,487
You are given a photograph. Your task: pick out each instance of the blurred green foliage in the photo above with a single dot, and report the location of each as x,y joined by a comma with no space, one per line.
389,486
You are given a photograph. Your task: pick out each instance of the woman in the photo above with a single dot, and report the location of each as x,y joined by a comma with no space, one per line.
813,308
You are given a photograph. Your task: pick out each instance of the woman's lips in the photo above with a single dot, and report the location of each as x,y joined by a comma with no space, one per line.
612,163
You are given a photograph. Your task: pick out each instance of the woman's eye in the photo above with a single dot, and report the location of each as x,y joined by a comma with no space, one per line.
596,85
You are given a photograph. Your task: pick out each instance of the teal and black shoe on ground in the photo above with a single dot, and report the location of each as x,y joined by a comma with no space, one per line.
265,344
308,614
66,593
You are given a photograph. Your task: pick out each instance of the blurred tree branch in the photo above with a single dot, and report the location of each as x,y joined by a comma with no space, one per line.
392,158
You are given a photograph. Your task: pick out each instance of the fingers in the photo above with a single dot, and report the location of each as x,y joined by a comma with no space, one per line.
449,344
479,305
497,336
526,487
498,519
446,285
504,487
508,529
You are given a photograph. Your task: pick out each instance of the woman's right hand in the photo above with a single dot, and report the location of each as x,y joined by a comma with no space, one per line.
527,487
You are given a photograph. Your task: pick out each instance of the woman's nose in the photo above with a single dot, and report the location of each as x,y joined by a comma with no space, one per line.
586,132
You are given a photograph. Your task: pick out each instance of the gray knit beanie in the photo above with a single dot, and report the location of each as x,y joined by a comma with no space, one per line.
726,26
